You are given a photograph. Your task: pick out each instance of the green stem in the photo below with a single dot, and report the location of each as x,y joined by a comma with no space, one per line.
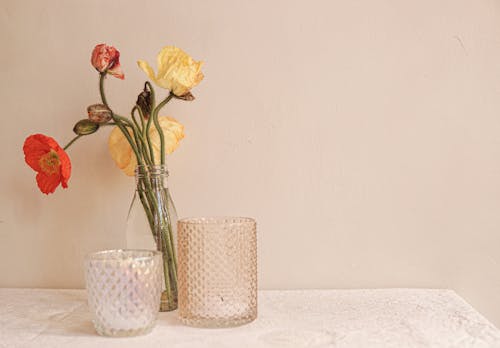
158,127
148,126
145,136
101,88
117,118
132,113
149,201
152,91
79,136
122,123
141,117
72,141
170,232
140,136
166,268
170,249
145,205
150,118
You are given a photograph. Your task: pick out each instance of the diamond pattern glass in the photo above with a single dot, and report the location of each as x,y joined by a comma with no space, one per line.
217,271
124,290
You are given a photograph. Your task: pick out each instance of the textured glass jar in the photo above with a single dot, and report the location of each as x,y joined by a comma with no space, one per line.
124,290
217,271
152,224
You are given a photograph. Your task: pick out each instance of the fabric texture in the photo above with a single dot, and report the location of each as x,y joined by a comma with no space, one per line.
302,318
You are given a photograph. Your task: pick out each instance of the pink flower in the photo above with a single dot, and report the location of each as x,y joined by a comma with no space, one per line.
107,59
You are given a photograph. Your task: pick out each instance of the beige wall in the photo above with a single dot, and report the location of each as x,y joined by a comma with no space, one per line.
364,136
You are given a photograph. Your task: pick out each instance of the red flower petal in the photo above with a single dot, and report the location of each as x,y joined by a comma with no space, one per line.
48,183
98,59
116,71
65,167
107,58
35,146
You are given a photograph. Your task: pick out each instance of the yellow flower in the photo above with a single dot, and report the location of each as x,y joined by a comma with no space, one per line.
177,71
122,153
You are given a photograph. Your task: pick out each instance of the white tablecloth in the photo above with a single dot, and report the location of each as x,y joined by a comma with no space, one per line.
307,318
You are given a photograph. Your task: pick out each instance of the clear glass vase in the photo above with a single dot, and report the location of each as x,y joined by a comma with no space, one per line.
152,225
217,271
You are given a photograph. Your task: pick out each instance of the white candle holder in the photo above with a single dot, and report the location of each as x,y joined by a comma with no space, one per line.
124,290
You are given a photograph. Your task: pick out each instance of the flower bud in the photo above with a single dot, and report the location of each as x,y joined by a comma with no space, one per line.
99,113
144,102
85,127
106,59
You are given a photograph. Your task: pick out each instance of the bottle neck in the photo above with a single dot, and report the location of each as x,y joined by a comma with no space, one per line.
151,177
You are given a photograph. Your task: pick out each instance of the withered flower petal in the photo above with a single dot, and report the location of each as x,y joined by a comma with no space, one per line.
106,59
177,71
187,97
144,102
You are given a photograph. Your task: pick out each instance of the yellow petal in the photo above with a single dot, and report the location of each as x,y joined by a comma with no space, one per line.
162,59
121,152
170,124
130,168
173,132
177,71
147,69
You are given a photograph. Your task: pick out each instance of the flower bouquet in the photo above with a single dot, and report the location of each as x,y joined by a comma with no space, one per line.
138,144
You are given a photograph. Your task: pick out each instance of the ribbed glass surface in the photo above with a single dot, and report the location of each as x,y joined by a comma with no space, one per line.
124,290
217,271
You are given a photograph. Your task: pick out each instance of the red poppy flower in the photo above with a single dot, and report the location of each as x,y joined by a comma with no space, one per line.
49,160
107,58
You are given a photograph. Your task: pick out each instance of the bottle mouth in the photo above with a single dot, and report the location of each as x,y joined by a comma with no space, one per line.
142,171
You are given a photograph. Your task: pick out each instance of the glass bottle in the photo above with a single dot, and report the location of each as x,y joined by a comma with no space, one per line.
152,225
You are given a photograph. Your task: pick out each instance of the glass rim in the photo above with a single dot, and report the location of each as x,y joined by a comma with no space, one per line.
154,169
217,220
101,255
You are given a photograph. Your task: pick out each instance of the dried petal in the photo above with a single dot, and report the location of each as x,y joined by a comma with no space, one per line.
177,71
144,101
187,97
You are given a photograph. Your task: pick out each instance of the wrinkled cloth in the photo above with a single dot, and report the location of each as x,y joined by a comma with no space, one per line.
300,318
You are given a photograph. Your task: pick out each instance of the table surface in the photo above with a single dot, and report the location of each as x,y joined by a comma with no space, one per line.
301,318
